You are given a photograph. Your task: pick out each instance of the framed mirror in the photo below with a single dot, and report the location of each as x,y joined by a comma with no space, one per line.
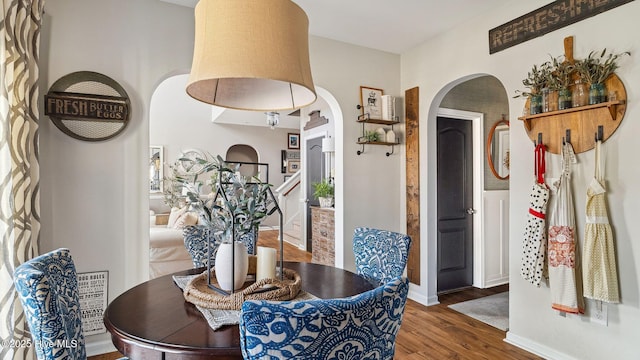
498,149
156,161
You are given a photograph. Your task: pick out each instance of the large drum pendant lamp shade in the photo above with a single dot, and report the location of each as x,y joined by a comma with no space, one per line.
251,55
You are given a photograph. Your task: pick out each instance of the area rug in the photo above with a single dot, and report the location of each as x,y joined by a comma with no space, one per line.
492,310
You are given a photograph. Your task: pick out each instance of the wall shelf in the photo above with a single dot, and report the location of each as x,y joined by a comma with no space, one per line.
611,105
364,119
579,123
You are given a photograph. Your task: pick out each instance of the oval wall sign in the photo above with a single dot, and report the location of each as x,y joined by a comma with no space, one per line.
88,106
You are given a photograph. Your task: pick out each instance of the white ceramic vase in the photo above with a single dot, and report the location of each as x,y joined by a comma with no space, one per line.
325,202
224,269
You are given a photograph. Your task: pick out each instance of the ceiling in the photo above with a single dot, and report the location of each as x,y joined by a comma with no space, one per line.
393,26
388,25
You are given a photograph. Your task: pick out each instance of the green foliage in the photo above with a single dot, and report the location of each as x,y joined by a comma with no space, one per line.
536,80
560,75
240,200
172,188
596,69
371,136
322,189
557,73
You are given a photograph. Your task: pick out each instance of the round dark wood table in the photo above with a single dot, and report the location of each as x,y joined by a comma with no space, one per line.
153,321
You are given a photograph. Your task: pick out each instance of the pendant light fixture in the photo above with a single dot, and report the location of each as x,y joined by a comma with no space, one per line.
273,119
251,55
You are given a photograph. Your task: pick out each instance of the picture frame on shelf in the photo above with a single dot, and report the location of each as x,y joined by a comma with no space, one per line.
156,168
293,141
293,166
371,102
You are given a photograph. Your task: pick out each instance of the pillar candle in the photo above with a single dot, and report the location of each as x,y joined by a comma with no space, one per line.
266,267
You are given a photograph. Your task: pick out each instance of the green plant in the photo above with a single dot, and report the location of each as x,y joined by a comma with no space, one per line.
371,136
596,69
240,201
559,76
536,80
172,188
322,189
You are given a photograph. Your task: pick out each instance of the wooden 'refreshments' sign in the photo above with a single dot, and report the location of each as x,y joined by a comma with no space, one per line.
548,18
85,106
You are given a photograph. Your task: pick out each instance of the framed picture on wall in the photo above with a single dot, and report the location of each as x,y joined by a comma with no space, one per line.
371,102
293,166
293,141
156,166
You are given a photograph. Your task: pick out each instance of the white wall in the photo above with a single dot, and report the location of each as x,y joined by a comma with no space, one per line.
371,178
95,194
178,122
440,63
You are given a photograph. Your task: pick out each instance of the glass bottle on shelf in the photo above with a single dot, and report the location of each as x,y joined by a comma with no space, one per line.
580,95
545,100
535,104
564,99
594,94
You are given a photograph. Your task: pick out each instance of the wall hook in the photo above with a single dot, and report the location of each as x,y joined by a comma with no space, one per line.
567,136
599,136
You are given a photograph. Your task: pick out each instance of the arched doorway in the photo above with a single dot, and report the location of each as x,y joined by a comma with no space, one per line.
481,99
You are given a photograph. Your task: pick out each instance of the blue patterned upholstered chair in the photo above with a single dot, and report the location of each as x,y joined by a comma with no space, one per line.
47,286
363,326
196,240
380,255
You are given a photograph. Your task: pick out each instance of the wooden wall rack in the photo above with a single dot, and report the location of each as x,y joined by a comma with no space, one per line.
581,123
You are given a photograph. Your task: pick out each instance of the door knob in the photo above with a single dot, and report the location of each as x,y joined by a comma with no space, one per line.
471,211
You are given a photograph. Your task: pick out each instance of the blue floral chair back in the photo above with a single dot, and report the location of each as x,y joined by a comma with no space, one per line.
380,255
196,240
363,326
48,290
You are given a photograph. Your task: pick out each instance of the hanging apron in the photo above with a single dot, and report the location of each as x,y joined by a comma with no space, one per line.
562,259
599,271
535,233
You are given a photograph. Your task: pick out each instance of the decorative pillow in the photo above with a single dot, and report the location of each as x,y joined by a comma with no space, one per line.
174,215
188,218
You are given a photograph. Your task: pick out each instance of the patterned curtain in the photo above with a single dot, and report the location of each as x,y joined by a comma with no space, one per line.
19,168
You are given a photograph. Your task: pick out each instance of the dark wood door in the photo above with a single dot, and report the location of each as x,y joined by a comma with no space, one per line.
455,204
315,169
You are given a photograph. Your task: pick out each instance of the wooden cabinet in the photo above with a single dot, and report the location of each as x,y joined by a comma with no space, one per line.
323,235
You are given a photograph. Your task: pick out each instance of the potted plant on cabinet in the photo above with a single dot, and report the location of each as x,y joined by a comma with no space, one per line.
323,191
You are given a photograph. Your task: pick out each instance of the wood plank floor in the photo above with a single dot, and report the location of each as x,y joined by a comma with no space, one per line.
434,332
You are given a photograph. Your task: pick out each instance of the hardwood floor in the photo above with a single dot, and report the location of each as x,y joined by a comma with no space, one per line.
434,332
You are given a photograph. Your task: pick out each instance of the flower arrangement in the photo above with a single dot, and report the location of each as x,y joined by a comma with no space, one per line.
240,201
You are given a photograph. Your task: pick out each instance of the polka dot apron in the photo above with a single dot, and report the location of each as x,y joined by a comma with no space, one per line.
535,234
